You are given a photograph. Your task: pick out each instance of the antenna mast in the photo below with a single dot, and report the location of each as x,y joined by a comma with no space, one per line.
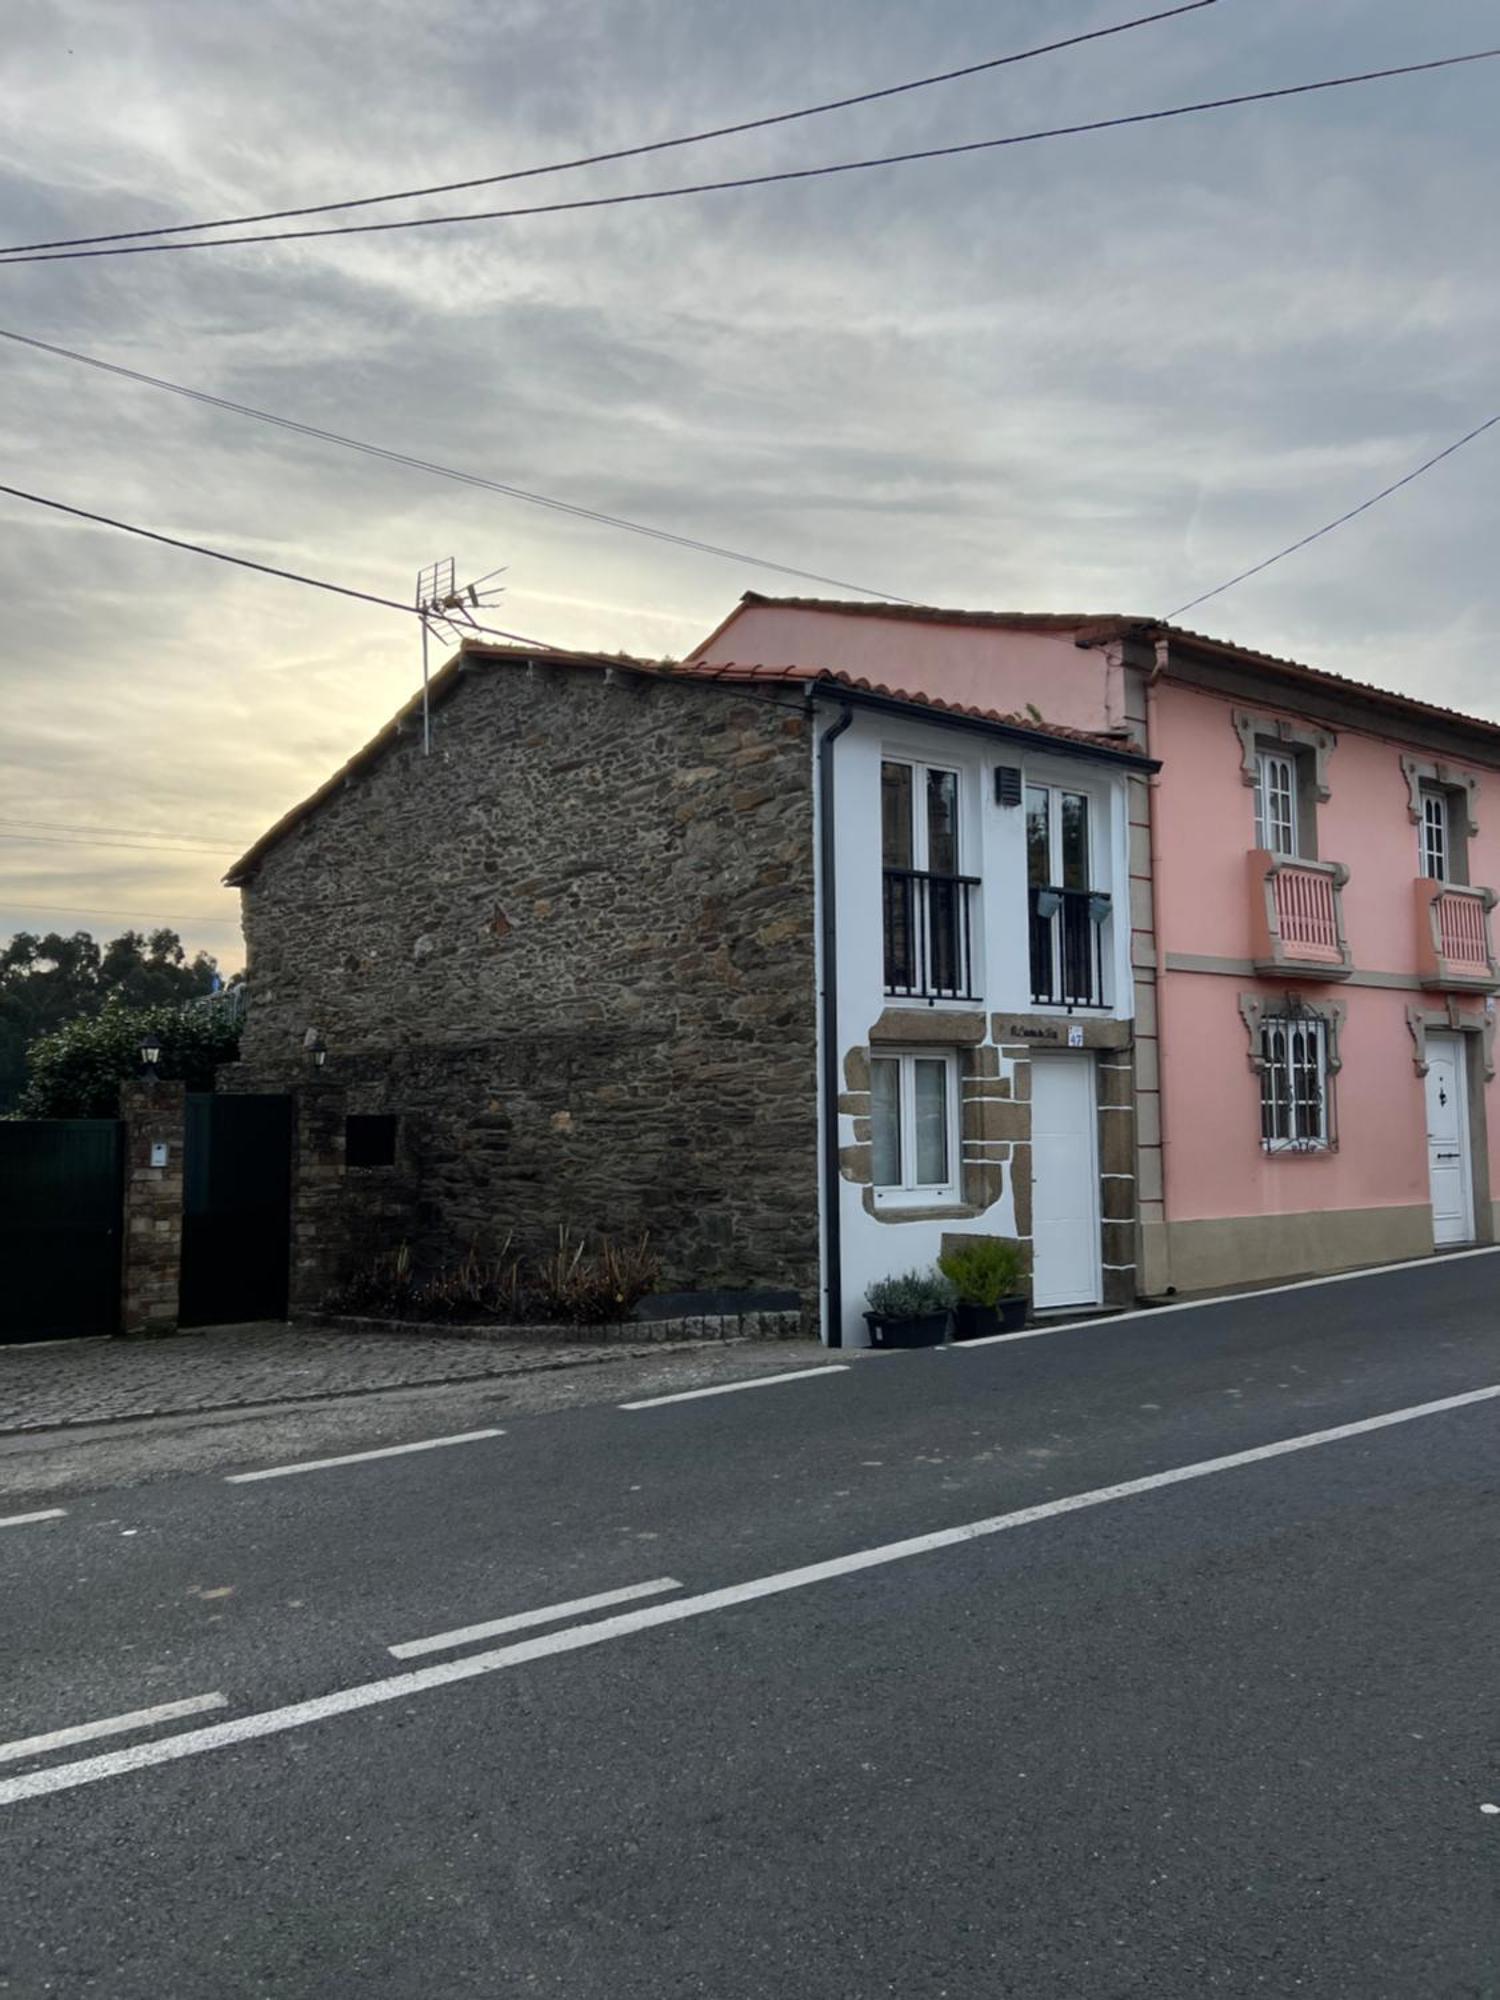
448,608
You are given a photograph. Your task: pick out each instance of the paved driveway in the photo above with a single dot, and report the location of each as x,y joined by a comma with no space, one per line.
230,1367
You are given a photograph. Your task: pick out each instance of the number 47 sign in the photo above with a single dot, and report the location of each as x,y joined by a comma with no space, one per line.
1075,1036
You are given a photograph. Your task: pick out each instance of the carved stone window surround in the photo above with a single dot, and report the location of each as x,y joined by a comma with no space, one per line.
1420,771
1275,731
1257,1008
1451,1018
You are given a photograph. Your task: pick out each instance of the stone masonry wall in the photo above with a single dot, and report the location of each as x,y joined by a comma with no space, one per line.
573,952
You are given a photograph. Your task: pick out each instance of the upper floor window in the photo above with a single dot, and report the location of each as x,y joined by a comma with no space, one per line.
1067,912
928,913
1435,835
914,1127
1276,802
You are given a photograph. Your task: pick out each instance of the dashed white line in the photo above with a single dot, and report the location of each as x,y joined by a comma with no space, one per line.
20,1520
546,1614
356,1457
728,1388
573,1638
113,1725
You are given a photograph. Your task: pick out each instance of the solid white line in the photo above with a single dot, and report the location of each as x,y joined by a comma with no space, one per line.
547,1614
1103,1321
419,1680
356,1457
114,1725
47,1514
728,1388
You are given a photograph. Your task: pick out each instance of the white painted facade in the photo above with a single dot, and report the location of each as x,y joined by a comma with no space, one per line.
992,846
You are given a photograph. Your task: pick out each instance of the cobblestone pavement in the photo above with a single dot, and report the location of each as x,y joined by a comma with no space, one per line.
226,1368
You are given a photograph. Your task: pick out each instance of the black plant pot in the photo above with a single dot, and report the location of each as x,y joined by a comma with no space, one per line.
921,1330
978,1322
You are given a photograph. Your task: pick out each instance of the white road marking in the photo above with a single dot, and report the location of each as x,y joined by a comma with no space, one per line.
1490,1809
19,1520
356,1457
114,1725
573,1638
546,1614
728,1388
1102,1322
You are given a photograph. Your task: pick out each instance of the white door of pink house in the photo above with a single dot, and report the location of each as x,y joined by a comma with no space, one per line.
1065,1182
1449,1163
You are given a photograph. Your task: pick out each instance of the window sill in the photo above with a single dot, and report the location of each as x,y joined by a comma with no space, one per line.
945,1211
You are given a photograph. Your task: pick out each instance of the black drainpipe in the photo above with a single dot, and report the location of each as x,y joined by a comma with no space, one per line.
833,1284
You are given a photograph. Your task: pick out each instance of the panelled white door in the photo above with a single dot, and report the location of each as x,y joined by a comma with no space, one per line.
1065,1182
1449,1163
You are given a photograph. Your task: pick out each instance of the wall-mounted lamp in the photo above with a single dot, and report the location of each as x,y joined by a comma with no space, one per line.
317,1049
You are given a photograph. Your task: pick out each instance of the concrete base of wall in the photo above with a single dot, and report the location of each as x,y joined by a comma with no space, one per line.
1232,1250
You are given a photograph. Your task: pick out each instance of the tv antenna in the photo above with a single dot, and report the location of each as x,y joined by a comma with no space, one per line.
448,608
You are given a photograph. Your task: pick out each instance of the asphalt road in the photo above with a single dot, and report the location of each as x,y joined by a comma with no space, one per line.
854,1730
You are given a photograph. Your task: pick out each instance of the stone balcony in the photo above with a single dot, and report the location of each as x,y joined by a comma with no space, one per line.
1455,953
1297,917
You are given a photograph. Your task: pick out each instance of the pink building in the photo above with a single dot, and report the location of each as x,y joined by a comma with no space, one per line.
1310,922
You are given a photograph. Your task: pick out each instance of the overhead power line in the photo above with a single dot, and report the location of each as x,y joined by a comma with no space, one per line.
104,910
393,457
244,562
11,824
138,846
1329,526
626,152
761,180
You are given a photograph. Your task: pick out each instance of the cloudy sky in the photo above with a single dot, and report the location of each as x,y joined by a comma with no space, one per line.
1098,373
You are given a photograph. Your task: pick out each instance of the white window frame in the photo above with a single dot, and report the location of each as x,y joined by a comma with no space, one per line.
919,767
1267,764
912,1193
1278,1078
1435,835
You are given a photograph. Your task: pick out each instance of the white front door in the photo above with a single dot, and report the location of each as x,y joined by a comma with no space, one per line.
1065,1182
1448,1160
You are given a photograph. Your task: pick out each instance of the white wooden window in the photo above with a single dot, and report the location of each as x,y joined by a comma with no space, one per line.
1276,801
1294,1084
914,1127
1434,836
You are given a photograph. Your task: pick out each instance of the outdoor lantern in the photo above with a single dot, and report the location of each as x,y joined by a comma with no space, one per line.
150,1050
1099,905
318,1051
1048,903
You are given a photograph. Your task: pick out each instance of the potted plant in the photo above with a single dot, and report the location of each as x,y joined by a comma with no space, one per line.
985,1271
910,1311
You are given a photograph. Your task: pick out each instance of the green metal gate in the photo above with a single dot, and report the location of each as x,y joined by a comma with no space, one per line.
61,1204
236,1209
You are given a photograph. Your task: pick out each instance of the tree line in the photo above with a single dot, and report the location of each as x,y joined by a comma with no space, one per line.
48,981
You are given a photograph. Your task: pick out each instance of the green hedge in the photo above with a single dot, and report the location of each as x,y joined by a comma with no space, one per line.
76,1071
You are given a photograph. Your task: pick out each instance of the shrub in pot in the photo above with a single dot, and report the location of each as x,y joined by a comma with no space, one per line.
910,1311
985,1271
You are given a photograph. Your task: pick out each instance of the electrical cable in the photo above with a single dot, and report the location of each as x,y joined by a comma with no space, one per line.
623,152
394,457
760,180
264,569
1329,526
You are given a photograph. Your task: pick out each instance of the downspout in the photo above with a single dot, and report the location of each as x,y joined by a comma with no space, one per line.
1153,788
833,1285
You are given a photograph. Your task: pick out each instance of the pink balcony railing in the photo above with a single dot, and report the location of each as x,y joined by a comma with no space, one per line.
1297,916
1453,935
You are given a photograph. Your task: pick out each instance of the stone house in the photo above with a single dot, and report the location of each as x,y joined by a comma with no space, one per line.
798,973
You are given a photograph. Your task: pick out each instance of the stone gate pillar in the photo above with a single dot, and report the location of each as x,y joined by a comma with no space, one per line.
154,1114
